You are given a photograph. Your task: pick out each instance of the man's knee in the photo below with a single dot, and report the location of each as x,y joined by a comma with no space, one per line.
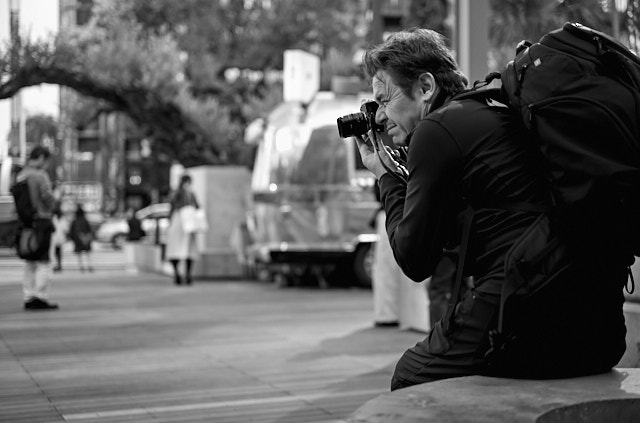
398,383
409,371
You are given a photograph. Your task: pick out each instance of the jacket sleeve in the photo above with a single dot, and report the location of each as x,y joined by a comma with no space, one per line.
419,213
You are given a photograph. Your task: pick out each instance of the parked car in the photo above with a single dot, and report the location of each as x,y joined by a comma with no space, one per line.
115,230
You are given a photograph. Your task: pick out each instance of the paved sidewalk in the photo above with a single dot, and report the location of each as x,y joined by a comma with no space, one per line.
136,348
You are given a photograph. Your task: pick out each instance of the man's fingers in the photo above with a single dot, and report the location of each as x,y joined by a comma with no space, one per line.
363,142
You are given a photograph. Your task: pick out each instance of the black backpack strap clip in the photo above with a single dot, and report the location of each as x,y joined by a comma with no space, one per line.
486,81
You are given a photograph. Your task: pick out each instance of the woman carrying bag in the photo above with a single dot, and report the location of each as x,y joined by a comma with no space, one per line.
186,219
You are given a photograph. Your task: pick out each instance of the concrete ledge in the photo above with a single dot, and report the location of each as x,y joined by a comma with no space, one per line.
610,397
213,263
143,257
219,262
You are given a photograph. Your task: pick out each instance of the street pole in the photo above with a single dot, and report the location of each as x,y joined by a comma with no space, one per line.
471,37
18,136
617,7
615,19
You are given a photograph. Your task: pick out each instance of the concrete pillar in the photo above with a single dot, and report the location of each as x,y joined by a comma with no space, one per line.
224,193
471,37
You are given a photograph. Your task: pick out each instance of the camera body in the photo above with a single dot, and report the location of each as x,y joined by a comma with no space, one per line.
360,123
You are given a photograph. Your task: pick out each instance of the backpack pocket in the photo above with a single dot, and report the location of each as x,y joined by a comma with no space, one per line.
27,243
32,242
538,258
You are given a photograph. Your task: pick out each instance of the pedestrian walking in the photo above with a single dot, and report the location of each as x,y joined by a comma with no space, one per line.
59,237
136,233
82,236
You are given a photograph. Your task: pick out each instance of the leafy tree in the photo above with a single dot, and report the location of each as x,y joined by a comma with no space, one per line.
40,128
163,63
516,20
430,14
112,59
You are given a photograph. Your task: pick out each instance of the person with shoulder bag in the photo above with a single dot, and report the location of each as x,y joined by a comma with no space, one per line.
186,219
35,203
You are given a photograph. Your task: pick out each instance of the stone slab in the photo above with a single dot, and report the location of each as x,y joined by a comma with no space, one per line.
610,397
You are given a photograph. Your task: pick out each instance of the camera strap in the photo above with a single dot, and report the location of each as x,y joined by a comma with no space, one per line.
401,176
464,246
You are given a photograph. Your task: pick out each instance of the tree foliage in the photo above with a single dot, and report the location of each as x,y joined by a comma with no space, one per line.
163,63
40,128
515,20
430,14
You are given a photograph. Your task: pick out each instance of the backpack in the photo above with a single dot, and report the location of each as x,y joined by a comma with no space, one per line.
28,242
22,199
578,92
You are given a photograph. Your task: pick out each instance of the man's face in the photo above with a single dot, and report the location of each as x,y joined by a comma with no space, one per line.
397,112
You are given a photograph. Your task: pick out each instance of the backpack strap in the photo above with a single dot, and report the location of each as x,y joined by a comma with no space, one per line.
462,255
464,247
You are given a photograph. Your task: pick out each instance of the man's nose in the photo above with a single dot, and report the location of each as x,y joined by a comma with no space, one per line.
381,116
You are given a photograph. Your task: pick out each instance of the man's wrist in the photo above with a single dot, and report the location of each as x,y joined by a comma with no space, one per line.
379,174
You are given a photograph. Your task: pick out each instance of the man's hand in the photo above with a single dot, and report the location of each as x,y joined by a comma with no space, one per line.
372,157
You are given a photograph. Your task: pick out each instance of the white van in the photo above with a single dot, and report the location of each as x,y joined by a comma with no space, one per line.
313,201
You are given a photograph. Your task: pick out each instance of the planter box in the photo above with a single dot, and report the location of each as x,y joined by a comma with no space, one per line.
224,192
143,257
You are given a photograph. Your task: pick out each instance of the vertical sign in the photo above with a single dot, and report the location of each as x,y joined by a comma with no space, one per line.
301,76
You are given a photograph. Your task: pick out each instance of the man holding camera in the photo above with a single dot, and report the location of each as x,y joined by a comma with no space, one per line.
470,161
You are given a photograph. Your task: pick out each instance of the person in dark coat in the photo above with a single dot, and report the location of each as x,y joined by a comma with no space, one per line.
467,161
82,236
136,233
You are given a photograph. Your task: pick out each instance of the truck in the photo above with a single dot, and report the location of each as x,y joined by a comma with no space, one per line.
313,202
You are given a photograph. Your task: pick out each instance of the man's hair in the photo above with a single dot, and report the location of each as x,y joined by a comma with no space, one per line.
184,179
39,151
405,55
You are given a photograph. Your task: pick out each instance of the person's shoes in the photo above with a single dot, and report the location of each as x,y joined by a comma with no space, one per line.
90,269
188,280
393,324
39,304
177,280
57,269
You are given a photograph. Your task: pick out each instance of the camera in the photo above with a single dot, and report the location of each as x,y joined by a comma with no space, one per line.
360,123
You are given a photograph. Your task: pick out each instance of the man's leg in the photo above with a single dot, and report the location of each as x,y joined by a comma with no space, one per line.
42,269
29,280
42,279
451,352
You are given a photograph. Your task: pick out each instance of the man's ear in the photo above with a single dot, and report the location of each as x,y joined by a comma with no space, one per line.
427,85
